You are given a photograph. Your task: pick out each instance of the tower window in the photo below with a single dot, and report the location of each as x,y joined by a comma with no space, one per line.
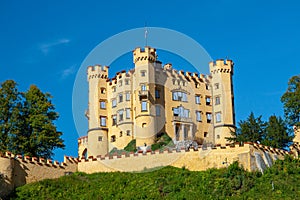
120,98
102,121
143,87
126,81
144,125
121,133
217,85
102,90
198,116
218,136
127,96
208,101
207,87
218,117
100,138
120,115
157,110
113,138
143,73
157,94
102,104
114,103
120,83
127,113
208,117
218,101
114,89
144,106
197,99
205,134
128,132
114,120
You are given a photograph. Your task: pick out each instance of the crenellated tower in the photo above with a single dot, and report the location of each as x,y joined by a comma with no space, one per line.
97,110
144,93
222,99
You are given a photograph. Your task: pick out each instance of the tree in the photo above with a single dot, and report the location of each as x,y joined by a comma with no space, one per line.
291,101
27,121
250,130
38,136
9,105
276,134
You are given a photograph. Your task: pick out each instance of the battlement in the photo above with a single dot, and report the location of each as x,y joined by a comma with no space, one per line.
221,65
146,54
83,140
97,71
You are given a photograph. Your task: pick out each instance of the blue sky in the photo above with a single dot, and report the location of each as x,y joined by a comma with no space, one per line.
44,43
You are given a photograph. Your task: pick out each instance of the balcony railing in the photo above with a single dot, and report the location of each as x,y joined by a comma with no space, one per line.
182,119
143,93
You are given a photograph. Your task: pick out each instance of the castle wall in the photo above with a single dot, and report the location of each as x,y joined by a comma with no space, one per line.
251,157
17,170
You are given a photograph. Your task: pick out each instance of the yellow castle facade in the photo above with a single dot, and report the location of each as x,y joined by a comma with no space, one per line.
152,99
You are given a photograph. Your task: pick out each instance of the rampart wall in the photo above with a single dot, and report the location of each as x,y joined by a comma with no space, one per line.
18,170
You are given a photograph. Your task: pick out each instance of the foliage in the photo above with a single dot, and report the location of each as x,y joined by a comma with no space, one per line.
276,134
162,141
250,130
26,121
291,101
131,146
173,183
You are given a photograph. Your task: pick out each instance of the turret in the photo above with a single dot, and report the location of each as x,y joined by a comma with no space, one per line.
97,110
222,99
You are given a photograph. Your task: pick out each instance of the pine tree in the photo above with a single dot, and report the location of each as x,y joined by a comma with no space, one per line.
276,133
250,130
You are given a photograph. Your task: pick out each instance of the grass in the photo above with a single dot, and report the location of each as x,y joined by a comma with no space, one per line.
281,181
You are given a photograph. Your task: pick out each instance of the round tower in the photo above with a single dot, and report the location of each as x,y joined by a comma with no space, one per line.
97,111
144,91
222,99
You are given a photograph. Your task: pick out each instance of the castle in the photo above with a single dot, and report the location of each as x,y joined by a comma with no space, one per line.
152,99
140,104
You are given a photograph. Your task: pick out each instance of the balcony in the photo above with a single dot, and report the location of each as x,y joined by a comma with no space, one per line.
182,119
143,93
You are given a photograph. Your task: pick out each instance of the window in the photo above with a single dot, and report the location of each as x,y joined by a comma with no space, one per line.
126,81
114,103
197,85
102,90
157,110
207,87
208,117
218,117
144,125
128,132
127,96
218,101
198,116
102,121
179,96
205,134
217,86
157,94
183,83
207,99
120,83
100,138
120,98
114,89
143,73
143,87
197,99
181,112
121,133
114,120
102,104
127,113
218,136
144,106
113,138
120,115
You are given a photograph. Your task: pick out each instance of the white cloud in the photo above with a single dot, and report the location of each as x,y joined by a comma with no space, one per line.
45,48
67,72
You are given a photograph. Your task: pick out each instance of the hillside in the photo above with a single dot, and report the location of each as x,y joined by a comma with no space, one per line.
282,181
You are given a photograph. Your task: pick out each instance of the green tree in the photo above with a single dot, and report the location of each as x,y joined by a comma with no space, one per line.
38,135
250,130
9,105
291,101
276,134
